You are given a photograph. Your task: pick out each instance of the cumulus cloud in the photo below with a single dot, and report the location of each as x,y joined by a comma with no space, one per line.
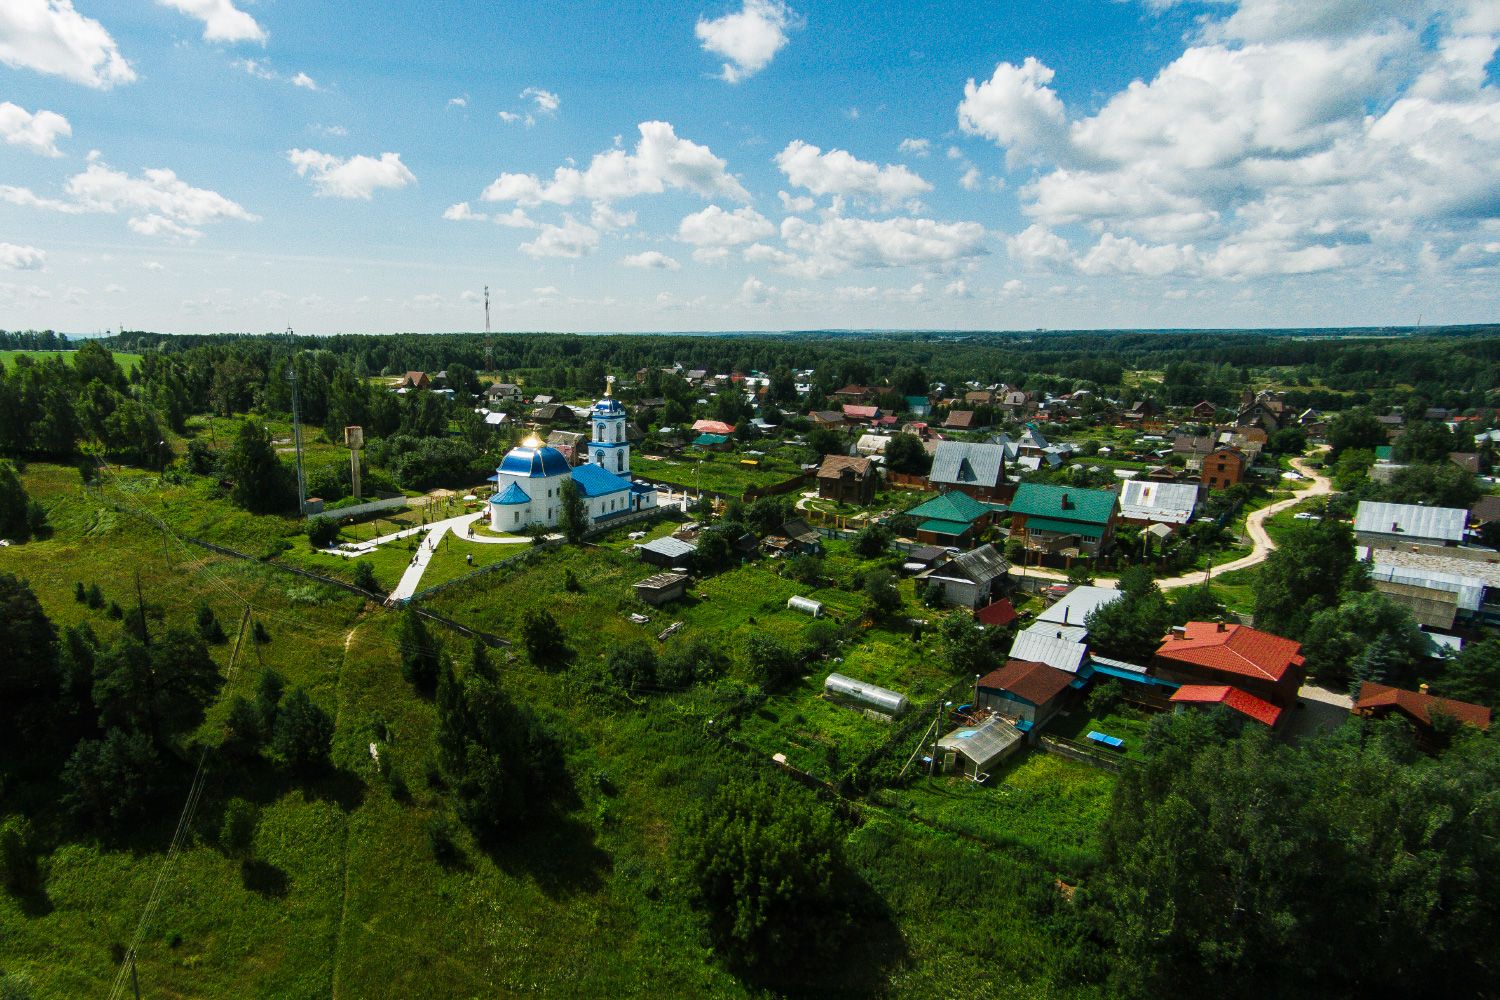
304,81
354,177
20,258
916,147
463,213
748,38
651,260
222,20
841,174
714,227
796,204
1017,109
1286,139
661,161
544,101
571,239
160,203
37,132
49,36
838,244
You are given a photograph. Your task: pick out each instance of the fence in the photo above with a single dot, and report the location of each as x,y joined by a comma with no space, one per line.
908,481
1077,751
368,507
627,518
753,493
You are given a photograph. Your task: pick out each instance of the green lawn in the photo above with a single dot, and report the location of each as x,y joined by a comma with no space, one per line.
350,901
126,361
718,472
1124,721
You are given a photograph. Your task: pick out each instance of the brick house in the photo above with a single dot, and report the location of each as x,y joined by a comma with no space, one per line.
1208,654
1223,468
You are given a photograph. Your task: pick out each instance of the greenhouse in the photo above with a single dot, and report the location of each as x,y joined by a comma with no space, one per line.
842,688
806,605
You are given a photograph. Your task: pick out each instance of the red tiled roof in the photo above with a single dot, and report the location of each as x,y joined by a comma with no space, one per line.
862,412
999,613
1232,649
1418,706
959,418
1036,682
713,427
1222,694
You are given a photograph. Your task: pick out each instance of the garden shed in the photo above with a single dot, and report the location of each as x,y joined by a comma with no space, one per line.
977,750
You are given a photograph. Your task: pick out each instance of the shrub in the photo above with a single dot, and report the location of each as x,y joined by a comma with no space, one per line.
364,577
322,532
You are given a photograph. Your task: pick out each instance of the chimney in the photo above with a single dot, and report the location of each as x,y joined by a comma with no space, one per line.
1179,632
1220,623
1067,502
1065,614
1422,688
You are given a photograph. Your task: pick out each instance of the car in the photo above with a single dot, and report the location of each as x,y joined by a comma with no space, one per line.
1307,515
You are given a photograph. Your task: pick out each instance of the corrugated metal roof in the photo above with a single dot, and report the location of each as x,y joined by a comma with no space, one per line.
669,546
1167,503
982,744
961,462
1411,521
1065,527
1079,603
597,481
1042,645
953,506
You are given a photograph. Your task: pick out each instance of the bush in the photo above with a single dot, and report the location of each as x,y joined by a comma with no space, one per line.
872,541
209,627
773,664
633,666
303,735
322,532
364,577
237,832
18,869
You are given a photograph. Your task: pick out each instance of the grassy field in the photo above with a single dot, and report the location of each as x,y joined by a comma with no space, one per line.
350,901
718,472
126,361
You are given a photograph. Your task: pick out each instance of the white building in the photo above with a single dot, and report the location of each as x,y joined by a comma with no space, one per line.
528,484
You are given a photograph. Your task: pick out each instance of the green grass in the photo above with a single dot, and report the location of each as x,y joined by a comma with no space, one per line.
718,472
1124,721
1048,807
128,362
362,908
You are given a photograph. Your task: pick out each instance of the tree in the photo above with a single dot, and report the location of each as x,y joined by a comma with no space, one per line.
14,523
160,691
268,692
683,663
572,514
965,646
18,868
882,598
827,442
1355,429
419,652
1473,675
1443,485
30,683
766,514
322,532
632,666
904,453
244,732
261,484
1304,575
209,627
1337,637
1287,441
542,637
805,568
109,783
237,831
1131,626
773,664
873,541
714,552
364,576
1425,442
303,735
766,867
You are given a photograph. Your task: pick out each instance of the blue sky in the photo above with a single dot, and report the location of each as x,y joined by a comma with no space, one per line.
203,165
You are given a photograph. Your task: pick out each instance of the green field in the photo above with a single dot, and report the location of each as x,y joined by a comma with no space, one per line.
349,901
125,361
717,472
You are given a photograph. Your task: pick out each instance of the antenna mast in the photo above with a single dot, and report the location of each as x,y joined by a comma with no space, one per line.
486,308
291,374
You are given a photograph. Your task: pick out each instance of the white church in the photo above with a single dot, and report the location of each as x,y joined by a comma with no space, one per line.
528,484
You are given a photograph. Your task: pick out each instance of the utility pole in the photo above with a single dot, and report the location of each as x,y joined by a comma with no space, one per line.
297,436
135,983
486,309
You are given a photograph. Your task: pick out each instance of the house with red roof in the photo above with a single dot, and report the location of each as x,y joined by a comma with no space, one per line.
1243,702
712,427
997,614
1376,701
863,414
1023,691
1236,656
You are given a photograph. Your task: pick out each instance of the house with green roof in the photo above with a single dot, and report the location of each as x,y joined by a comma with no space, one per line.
712,442
953,518
1063,520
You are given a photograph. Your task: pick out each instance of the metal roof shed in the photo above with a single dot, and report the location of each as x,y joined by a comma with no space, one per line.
977,749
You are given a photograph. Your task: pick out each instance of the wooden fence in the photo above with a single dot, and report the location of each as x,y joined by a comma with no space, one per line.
1083,754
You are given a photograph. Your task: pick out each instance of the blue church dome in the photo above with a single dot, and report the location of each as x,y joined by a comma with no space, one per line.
609,407
534,462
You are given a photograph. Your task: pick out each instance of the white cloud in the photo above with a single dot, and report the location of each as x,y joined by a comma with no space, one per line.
256,68
602,216
796,203
511,116
711,255
1017,109
514,219
164,203
1037,246
661,161
755,292
957,289
304,81
458,102
748,38
571,239
837,244
840,174
50,37
19,258
652,260
714,227
972,179
37,132
463,213
916,147
355,177
544,101
222,20
329,131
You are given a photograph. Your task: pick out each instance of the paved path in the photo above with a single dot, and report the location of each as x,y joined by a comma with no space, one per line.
458,525
418,565
1261,543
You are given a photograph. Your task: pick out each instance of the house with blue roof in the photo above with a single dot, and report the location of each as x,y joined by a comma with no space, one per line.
529,481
